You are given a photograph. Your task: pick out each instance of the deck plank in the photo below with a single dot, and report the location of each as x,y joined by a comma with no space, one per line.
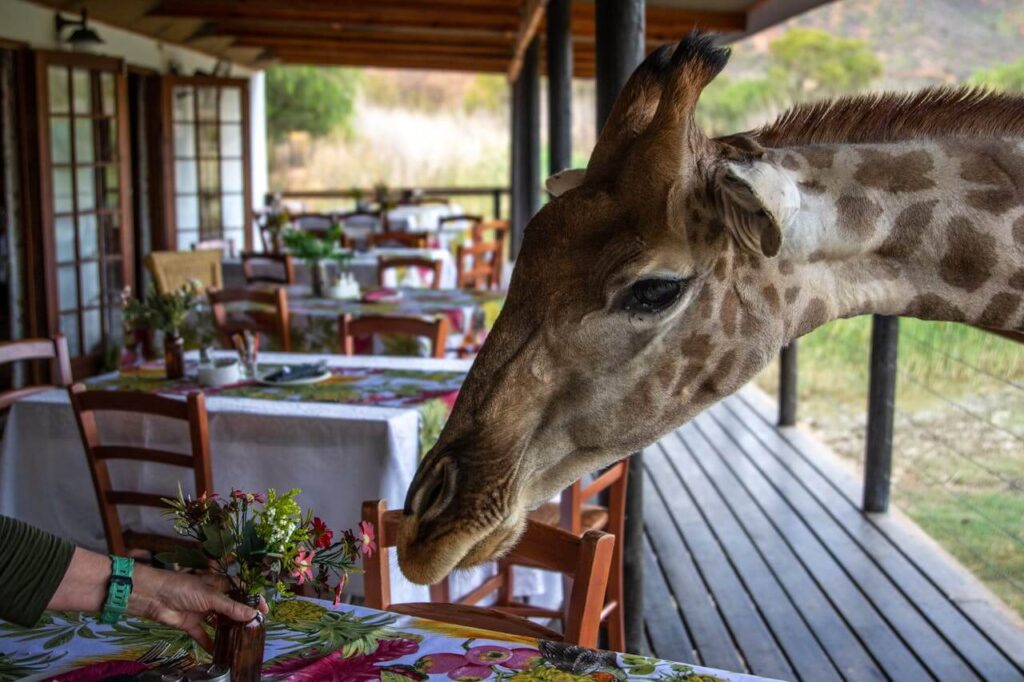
666,633
752,635
945,618
842,646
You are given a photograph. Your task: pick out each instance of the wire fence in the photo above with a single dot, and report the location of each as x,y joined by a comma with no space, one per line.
958,442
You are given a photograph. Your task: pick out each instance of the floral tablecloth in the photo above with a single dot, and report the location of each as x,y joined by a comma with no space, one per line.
311,640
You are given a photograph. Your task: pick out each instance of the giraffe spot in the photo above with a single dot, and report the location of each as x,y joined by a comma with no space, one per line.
719,376
791,162
907,230
721,270
751,365
791,294
894,172
786,267
817,256
771,296
858,215
694,216
981,168
1017,280
998,311
820,157
1018,230
815,315
970,255
715,229
727,314
996,201
749,325
934,307
812,186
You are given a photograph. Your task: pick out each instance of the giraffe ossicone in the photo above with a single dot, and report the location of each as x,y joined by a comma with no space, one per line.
672,269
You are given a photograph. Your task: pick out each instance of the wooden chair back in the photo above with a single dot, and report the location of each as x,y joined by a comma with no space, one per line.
409,240
379,216
473,220
314,222
268,268
479,265
387,263
436,331
267,314
192,411
225,246
585,559
432,200
54,350
498,232
172,270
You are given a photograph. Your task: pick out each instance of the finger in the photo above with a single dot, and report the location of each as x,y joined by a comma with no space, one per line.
263,605
218,582
233,609
196,632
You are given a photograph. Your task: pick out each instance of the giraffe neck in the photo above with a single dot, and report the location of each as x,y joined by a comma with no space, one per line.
931,229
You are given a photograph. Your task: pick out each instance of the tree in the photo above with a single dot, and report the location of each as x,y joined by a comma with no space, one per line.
728,105
1007,77
812,63
313,99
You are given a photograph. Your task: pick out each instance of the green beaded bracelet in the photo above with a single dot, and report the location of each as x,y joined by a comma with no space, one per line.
119,590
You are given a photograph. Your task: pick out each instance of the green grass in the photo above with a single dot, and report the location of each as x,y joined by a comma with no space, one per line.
958,460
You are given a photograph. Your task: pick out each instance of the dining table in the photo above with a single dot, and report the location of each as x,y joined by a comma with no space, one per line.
415,218
363,265
310,639
358,435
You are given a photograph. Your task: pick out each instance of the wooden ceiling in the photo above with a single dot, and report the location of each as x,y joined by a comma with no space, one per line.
464,35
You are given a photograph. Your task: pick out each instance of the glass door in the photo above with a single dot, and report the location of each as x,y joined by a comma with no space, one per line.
86,224
209,153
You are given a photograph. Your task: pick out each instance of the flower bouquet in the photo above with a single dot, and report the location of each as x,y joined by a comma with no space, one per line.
316,251
166,313
261,543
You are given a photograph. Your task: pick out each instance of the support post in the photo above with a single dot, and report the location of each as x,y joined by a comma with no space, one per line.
525,145
885,332
559,50
619,46
788,364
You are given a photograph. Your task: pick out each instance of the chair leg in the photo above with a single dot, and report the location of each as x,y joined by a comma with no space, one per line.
440,593
616,620
506,592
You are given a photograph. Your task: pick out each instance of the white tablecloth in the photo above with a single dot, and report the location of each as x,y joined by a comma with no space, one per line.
424,218
338,455
364,267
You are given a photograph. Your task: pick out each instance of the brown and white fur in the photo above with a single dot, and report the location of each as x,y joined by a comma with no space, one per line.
676,266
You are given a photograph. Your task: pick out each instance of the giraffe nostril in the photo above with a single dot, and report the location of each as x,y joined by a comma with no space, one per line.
433,492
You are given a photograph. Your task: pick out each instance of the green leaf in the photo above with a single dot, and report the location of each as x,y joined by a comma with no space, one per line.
219,542
188,558
86,632
60,640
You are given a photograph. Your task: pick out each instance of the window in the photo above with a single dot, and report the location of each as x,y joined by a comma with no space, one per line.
209,160
85,224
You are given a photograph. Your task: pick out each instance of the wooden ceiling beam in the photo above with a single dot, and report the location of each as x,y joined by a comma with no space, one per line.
664,24
532,19
260,30
392,61
326,44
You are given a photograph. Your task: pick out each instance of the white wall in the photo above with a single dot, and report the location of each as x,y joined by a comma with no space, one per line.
258,134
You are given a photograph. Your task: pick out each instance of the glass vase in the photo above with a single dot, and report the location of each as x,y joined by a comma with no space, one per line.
318,271
174,356
239,646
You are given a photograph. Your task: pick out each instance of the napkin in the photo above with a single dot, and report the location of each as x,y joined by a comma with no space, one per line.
381,295
296,372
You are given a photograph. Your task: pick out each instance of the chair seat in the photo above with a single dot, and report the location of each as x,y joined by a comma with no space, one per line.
592,516
477,617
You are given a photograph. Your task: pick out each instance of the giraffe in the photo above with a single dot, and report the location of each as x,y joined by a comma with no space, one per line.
671,270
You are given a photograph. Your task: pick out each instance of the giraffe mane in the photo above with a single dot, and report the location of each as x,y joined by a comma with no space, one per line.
937,112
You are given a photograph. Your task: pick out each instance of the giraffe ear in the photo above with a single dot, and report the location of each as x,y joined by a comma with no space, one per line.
563,181
757,200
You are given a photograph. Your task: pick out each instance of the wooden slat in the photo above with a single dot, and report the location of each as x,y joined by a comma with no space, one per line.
668,638
135,498
664,23
142,455
898,541
796,640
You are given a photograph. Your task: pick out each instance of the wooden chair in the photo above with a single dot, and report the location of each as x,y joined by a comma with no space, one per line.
429,200
409,240
496,231
174,269
260,268
384,264
54,350
436,331
192,411
270,317
314,222
225,246
585,559
473,220
380,217
479,265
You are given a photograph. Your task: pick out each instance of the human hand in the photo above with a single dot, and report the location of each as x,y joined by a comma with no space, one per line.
182,600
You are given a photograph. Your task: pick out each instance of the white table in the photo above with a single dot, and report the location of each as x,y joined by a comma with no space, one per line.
338,455
419,218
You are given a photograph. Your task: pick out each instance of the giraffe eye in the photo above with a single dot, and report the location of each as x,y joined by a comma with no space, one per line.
654,295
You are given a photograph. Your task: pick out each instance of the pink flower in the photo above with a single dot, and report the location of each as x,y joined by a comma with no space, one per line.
470,673
522,658
248,497
438,664
488,654
366,545
322,535
303,566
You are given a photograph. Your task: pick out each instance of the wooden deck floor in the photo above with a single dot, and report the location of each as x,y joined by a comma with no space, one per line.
759,559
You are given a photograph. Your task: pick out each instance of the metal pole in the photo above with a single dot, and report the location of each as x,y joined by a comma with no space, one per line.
885,334
619,50
559,48
525,145
788,363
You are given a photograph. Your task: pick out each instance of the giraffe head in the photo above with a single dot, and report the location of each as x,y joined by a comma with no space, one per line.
623,318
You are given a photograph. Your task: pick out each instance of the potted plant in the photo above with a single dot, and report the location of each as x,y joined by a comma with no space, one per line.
138,331
262,544
317,251
276,222
167,312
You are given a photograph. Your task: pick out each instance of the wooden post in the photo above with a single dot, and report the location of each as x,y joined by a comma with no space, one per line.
496,204
788,384
525,145
619,50
559,48
885,333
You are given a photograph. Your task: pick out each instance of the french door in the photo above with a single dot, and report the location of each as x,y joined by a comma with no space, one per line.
81,110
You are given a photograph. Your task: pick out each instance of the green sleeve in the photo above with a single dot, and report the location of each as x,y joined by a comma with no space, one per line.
32,564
